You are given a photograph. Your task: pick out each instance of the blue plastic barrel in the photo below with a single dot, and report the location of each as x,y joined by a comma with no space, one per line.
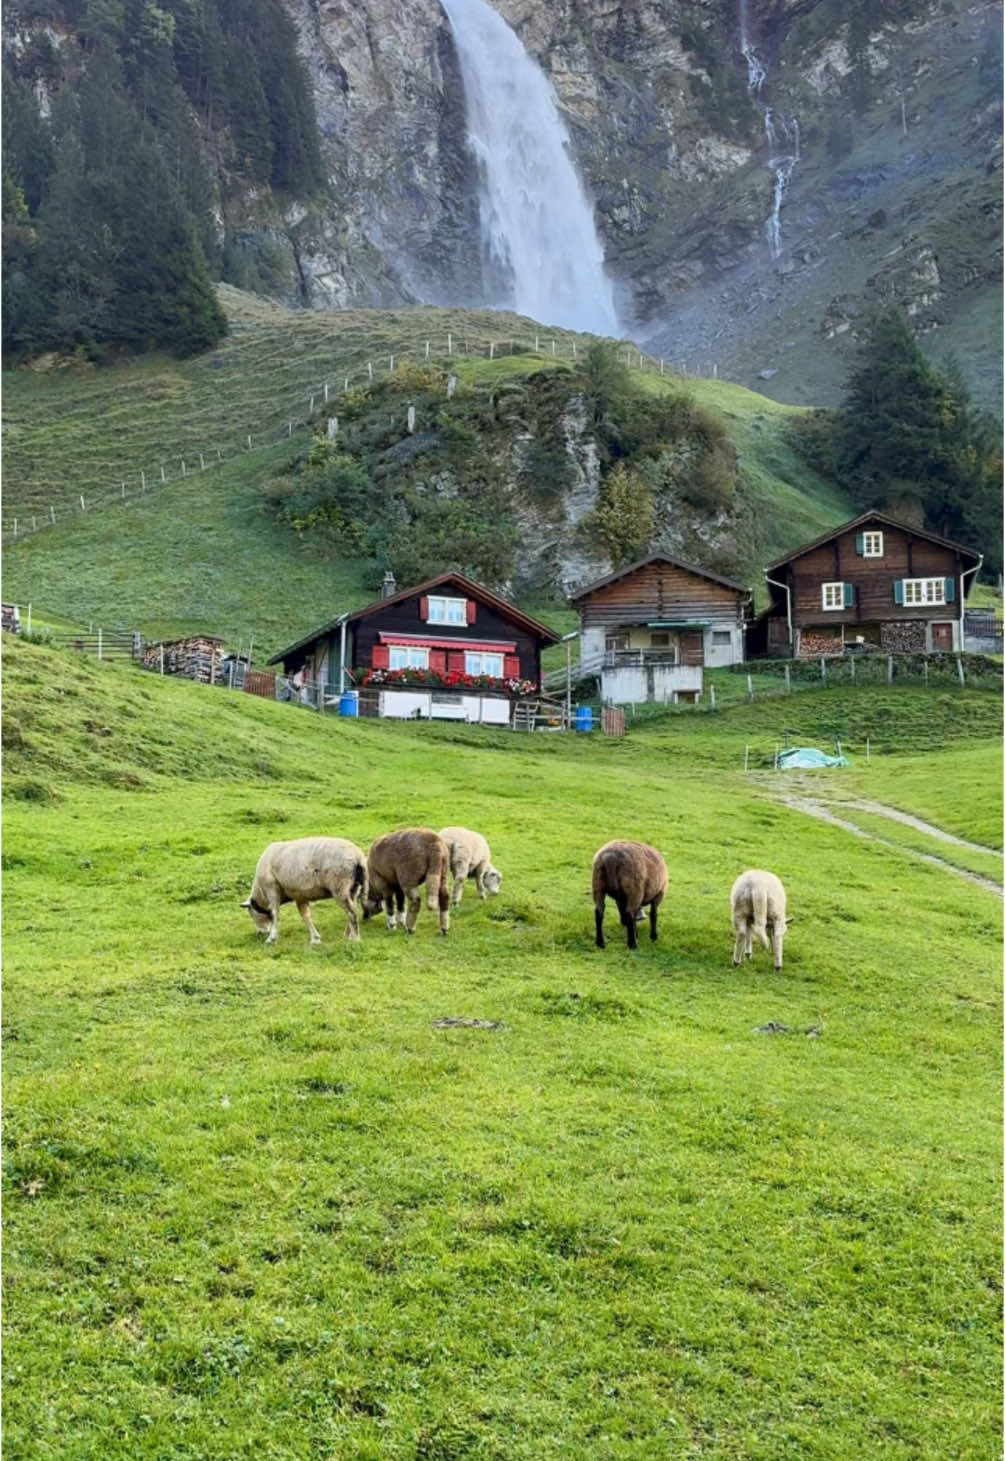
348,703
584,717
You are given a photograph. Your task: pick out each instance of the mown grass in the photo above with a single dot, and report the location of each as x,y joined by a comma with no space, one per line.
985,864
258,1204
200,553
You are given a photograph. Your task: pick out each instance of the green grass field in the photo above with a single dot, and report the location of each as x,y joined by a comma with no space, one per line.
260,1204
201,553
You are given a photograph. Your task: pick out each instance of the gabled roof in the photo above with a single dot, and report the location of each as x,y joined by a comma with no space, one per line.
472,589
658,558
870,517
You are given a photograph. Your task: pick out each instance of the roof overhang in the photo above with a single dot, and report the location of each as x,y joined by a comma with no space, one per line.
678,624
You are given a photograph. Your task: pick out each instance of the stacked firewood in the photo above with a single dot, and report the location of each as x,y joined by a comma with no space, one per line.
903,636
197,657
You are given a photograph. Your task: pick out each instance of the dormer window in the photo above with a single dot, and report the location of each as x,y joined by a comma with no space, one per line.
869,545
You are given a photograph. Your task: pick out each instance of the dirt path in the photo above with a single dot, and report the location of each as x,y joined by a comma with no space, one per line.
823,813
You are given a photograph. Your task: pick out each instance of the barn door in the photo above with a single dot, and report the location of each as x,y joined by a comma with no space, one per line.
942,637
691,647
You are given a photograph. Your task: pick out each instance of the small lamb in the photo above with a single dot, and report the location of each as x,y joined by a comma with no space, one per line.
302,872
758,904
635,876
398,864
470,858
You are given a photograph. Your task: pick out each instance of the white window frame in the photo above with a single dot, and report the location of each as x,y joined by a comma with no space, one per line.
475,663
408,657
444,610
828,591
919,592
721,638
872,545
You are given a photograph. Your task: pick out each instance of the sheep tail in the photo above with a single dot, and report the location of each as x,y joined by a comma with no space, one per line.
360,883
759,903
438,880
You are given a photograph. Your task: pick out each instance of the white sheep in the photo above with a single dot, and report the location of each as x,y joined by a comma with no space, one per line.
635,876
758,905
470,858
302,872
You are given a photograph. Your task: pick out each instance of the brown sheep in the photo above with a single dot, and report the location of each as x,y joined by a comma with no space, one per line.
635,876
398,864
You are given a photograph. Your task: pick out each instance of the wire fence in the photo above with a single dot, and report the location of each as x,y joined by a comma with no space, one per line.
314,404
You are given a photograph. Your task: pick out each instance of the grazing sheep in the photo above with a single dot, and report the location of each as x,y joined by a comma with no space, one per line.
635,876
470,858
758,903
303,871
398,865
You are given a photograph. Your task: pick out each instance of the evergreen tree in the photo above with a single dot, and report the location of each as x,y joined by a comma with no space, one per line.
906,431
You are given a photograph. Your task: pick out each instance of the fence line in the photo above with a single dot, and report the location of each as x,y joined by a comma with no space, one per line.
123,487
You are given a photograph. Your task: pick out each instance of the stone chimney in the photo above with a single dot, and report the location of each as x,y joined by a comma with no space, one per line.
388,588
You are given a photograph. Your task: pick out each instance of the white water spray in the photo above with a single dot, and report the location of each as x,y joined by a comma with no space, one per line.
781,135
537,226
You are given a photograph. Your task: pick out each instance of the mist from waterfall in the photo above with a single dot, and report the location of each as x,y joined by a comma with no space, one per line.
781,134
538,235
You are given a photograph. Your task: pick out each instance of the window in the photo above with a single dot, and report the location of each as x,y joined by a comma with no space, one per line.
872,545
924,590
721,636
833,595
447,611
404,658
659,640
616,643
483,664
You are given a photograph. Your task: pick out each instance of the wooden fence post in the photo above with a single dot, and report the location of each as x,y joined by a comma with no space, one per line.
52,513
823,670
99,642
711,695
82,507
788,679
143,480
163,478
889,669
959,670
750,688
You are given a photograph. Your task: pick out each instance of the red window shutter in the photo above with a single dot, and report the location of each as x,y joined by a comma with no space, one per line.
511,666
424,608
438,661
455,660
381,657
472,610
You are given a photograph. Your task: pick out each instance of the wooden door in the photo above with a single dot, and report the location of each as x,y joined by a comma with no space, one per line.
942,637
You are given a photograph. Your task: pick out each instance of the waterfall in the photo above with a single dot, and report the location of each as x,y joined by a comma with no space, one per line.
538,234
781,135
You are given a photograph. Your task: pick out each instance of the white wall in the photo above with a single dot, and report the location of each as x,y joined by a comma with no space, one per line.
403,704
630,685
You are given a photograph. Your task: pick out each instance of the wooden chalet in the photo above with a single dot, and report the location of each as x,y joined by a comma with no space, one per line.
448,648
873,583
650,628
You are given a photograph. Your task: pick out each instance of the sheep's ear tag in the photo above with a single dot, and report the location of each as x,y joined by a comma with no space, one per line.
246,903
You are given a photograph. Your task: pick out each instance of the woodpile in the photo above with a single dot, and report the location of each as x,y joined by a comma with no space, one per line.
815,642
903,636
197,657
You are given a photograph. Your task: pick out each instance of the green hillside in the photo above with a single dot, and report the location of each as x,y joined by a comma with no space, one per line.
302,1203
202,551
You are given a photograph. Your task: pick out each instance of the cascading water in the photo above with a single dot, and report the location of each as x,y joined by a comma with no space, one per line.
537,227
781,134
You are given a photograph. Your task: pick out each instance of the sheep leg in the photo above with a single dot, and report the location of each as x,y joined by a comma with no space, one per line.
653,906
480,883
444,902
461,870
598,910
776,943
389,912
304,909
414,905
741,939
351,918
628,919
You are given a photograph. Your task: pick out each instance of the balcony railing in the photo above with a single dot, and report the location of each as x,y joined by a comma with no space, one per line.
625,659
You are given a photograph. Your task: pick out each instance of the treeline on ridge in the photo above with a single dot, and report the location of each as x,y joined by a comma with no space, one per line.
110,194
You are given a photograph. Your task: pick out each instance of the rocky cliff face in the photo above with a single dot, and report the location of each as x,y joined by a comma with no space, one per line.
895,194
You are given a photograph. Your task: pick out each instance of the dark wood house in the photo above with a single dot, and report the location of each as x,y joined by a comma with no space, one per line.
651,627
872,583
448,648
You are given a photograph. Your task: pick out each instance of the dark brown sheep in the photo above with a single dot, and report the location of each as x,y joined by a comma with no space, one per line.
635,876
398,865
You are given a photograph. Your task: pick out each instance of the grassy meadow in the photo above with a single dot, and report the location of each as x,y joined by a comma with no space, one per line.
265,1203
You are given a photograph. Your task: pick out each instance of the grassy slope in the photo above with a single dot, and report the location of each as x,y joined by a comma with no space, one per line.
200,553
257,1205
